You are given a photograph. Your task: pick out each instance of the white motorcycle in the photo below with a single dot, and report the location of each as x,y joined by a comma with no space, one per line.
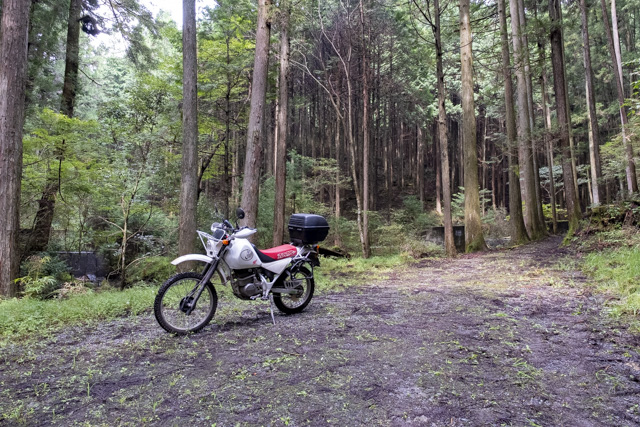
186,302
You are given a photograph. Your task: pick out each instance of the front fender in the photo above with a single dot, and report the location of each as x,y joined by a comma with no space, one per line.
197,257
192,257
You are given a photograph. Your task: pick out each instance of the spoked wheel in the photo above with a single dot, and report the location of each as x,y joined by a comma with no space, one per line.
174,306
300,280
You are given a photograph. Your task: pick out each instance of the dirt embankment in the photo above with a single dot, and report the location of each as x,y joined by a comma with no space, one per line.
511,337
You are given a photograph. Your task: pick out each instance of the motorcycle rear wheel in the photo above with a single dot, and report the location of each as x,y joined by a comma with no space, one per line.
304,283
169,304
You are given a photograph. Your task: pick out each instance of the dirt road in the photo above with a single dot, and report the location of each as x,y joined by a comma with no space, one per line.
511,337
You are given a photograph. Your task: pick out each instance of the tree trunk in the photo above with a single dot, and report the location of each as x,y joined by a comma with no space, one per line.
438,167
529,90
366,247
71,59
41,232
594,149
189,172
281,146
420,165
559,84
14,30
338,211
518,230
548,141
630,169
449,244
533,221
474,239
255,131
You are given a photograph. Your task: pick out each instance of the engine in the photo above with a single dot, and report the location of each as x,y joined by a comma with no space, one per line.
245,284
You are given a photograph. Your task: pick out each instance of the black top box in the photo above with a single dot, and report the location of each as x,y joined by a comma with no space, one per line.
308,228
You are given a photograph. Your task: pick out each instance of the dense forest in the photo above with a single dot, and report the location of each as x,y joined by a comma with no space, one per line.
385,116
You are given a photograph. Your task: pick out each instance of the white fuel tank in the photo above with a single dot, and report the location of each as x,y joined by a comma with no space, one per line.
241,255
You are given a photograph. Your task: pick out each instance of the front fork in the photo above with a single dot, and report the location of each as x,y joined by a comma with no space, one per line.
188,303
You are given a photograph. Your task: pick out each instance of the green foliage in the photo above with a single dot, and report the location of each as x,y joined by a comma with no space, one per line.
413,216
617,272
153,269
43,276
457,206
548,213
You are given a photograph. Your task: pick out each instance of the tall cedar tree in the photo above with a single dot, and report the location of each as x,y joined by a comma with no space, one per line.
594,149
282,126
189,173
255,133
366,246
630,169
14,28
474,239
518,230
41,232
532,219
449,244
559,85
443,141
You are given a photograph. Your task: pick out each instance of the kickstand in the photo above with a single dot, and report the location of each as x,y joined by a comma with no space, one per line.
273,319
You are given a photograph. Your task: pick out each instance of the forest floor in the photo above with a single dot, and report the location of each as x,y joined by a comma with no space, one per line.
509,337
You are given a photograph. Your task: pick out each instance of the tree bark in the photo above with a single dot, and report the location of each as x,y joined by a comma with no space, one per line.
518,230
255,132
559,84
474,239
283,127
72,59
548,141
533,221
449,244
438,167
366,246
529,90
14,28
594,149
420,165
189,173
630,168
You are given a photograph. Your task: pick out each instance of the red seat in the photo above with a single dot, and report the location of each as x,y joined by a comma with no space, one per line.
280,252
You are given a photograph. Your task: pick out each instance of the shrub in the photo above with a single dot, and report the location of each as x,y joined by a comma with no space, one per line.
154,269
43,275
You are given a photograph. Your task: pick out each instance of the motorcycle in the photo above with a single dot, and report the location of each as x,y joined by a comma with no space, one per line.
187,302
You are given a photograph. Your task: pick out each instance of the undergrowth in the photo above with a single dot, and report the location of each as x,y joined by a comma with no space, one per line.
614,263
335,274
33,318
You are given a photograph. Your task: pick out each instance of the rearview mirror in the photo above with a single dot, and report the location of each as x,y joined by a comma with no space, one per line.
240,213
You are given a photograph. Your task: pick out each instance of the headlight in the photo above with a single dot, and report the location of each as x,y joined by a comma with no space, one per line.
218,234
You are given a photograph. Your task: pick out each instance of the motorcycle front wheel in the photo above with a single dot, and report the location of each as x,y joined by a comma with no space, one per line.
175,298
300,280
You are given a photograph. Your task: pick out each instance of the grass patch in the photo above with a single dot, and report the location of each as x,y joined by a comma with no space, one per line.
335,274
31,318
617,271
